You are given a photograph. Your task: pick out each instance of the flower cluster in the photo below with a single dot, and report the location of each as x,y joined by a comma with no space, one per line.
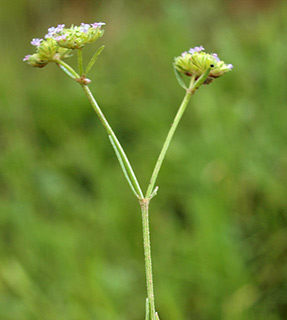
76,37
47,51
195,62
60,41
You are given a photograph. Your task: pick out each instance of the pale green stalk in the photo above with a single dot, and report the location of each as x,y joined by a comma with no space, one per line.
80,61
189,92
68,67
170,134
147,309
148,261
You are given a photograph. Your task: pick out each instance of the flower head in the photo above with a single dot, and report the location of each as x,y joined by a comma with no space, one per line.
35,60
196,62
47,50
59,41
76,37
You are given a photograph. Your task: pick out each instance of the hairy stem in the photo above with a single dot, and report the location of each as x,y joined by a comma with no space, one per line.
147,254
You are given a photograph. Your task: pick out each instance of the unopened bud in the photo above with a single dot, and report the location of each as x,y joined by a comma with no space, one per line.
195,63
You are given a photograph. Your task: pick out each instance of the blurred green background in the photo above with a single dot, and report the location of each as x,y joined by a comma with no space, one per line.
71,239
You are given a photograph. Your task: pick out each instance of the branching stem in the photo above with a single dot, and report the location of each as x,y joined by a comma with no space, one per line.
127,169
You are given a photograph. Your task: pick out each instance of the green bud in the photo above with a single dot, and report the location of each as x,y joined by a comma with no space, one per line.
77,36
47,51
60,41
196,63
35,61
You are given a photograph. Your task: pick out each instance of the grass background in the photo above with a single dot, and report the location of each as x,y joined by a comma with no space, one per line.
70,229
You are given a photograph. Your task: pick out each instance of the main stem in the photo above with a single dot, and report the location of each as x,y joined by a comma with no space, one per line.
147,254
170,134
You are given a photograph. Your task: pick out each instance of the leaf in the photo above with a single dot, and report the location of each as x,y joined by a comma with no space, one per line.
154,193
179,78
94,59
201,79
123,166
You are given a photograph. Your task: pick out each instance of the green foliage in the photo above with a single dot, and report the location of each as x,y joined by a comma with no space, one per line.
70,230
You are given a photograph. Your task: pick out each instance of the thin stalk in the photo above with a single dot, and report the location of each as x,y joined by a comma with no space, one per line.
111,133
80,61
68,67
147,254
147,309
170,134
129,173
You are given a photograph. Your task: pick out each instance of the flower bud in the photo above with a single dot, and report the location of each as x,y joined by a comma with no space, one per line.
59,41
195,63
35,61
47,50
76,37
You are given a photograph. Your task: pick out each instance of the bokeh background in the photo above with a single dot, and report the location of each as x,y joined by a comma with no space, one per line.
70,229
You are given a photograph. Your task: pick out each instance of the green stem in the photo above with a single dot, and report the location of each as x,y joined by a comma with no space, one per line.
129,173
124,162
111,133
147,254
80,61
147,309
170,134
68,67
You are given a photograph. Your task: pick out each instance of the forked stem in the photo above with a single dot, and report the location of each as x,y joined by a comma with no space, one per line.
151,314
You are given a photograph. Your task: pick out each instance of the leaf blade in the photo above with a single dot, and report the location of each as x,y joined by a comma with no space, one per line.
94,59
123,166
179,78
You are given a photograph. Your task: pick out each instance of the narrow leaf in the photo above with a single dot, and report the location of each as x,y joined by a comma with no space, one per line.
154,193
66,71
179,78
201,79
94,59
146,309
123,166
